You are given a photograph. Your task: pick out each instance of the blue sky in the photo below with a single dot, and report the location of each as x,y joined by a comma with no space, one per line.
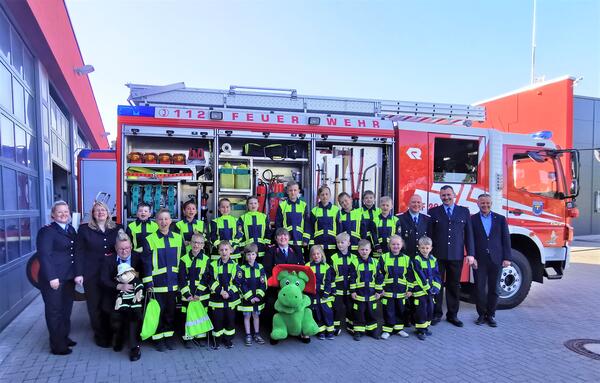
456,51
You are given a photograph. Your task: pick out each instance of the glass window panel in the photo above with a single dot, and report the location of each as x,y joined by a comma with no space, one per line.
25,235
33,193
31,152
2,243
16,50
35,227
28,68
12,238
47,159
29,110
455,160
4,36
7,138
49,193
21,145
19,100
1,192
23,191
45,122
5,88
9,179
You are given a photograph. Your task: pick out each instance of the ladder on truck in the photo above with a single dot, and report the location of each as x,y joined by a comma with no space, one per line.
288,100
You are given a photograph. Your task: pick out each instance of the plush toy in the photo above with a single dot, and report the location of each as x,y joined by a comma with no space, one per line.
127,275
293,316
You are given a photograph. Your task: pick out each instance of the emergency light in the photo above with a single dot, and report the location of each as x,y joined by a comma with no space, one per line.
214,115
314,121
542,135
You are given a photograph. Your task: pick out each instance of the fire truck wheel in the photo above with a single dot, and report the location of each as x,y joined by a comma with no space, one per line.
514,282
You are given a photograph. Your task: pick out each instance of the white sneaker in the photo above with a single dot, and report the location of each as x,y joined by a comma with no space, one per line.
403,334
385,335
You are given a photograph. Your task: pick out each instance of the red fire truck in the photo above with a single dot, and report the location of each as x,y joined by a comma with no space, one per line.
176,143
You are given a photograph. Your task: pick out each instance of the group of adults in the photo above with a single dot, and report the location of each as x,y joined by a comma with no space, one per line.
69,257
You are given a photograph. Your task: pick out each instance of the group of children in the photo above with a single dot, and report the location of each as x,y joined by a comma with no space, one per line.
355,254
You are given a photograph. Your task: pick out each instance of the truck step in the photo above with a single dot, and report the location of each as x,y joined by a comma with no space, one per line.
554,270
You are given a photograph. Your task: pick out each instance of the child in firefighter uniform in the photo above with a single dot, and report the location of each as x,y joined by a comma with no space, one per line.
426,287
293,215
253,227
142,227
223,277
324,295
369,212
386,225
365,290
343,264
189,224
325,221
353,223
192,267
254,287
397,284
162,251
128,308
224,228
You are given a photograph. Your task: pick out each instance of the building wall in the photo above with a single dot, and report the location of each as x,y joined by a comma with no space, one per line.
586,134
45,120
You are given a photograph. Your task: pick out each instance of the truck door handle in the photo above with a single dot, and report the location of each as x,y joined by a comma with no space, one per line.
516,212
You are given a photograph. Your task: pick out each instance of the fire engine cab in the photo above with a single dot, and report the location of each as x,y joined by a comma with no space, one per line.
176,144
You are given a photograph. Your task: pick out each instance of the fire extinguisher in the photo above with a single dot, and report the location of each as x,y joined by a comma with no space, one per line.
204,204
261,194
275,193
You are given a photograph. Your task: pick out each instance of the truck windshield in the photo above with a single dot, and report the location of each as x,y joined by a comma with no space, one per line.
537,174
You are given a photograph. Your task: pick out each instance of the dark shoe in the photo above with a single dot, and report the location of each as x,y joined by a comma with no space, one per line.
135,354
248,341
356,336
455,321
321,336
480,320
428,332
492,322
169,343
159,345
102,343
188,344
258,339
330,336
71,342
337,331
421,335
215,345
305,340
436,320
273,342
118,347
228,343
62,352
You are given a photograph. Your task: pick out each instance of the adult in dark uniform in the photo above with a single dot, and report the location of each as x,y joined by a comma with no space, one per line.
451,231
60,270
492,252
95,242
108,273
413,225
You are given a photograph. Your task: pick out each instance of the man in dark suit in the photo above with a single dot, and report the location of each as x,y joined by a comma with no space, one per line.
281,252
492,252
451,231
413,225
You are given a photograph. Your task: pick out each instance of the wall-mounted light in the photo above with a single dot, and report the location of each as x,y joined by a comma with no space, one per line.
314,121
83,70
266,134
214,115
324,137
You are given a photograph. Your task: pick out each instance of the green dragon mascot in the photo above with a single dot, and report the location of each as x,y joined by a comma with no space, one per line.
293,315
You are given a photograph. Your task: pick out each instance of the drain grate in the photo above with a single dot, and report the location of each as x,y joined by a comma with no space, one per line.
579,346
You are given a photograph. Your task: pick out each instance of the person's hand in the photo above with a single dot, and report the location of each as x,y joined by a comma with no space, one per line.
470,259
409,294
195,298
304,244
254,300
149,289
506,263
225,294
378,295
54,284
125,287
79,280
354,296
186,299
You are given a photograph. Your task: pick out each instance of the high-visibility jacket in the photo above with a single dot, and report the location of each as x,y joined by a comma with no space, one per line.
343,266
161,255
253,227
427,275
398,275
191,273
356,226
324,279
224,276
254,285
385,227
325,224
294,217
366,279
224,228
186,228
138,230
369,215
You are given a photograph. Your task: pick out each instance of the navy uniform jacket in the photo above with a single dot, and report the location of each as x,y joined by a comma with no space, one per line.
108,277
496,247
411,233
274,257
451,236
56,252
93,246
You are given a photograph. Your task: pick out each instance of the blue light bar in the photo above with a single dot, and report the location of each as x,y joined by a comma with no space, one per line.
138,111
542,135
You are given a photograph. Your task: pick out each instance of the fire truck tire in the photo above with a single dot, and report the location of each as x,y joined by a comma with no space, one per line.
514,282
